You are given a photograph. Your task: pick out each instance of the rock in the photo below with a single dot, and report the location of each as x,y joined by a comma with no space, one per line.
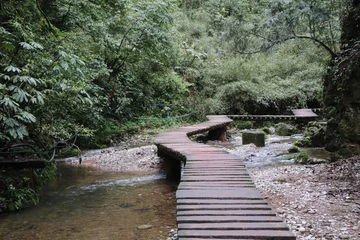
344,236
293,149
258,138
142,227
283,129
302,230
312,211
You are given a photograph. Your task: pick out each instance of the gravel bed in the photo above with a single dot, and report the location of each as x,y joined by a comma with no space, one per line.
317,202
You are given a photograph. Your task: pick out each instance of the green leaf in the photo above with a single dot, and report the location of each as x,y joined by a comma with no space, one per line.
11,68
9,103
36,45
27,46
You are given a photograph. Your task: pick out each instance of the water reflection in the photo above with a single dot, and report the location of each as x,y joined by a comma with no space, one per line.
86,203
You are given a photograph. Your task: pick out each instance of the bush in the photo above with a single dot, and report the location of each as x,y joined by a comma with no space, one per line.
242,124
302,158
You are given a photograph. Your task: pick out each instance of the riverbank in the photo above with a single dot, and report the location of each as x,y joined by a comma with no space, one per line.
317,202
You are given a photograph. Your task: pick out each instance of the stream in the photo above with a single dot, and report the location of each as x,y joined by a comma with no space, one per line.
87,203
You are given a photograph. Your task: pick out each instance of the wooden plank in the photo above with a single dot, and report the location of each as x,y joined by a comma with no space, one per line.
304,113
224,207
233,226
257,234
240,193
219,201
226,213
215,174
209,178
227,219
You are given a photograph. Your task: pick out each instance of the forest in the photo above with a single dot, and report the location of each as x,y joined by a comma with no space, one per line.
107,69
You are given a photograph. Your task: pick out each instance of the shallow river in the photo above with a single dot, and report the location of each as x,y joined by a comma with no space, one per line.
85,203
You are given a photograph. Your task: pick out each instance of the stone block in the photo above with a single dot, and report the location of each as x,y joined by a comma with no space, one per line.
257,138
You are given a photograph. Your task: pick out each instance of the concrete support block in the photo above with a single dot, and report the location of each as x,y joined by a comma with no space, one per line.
258,138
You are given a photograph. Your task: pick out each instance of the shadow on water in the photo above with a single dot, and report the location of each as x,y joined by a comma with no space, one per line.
86,203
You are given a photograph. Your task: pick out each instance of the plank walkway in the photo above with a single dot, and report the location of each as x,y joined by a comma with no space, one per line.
216,198
298,115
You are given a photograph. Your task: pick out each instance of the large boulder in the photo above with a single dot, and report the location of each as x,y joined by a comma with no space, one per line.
283,129
342,90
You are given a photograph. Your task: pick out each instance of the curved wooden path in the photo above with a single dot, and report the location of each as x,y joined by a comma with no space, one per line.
216,198
297,115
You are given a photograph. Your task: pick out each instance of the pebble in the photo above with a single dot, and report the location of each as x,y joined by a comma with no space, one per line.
312,211
302,229
142,227
344,236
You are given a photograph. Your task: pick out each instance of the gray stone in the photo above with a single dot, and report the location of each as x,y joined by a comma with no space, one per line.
257,138
142,227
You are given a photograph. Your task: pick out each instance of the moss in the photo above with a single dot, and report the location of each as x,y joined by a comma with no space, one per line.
302,158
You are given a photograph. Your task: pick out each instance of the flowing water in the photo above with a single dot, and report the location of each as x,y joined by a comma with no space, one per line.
86,203
275,151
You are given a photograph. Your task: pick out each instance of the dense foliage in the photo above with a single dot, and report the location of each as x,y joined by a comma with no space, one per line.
67,66
85,66
259,56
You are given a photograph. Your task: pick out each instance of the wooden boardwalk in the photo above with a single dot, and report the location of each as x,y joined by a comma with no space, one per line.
216,198
297,115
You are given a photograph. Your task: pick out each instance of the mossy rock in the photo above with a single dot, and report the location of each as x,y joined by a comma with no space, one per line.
283,129
303,142
293,149
302,158
266,130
